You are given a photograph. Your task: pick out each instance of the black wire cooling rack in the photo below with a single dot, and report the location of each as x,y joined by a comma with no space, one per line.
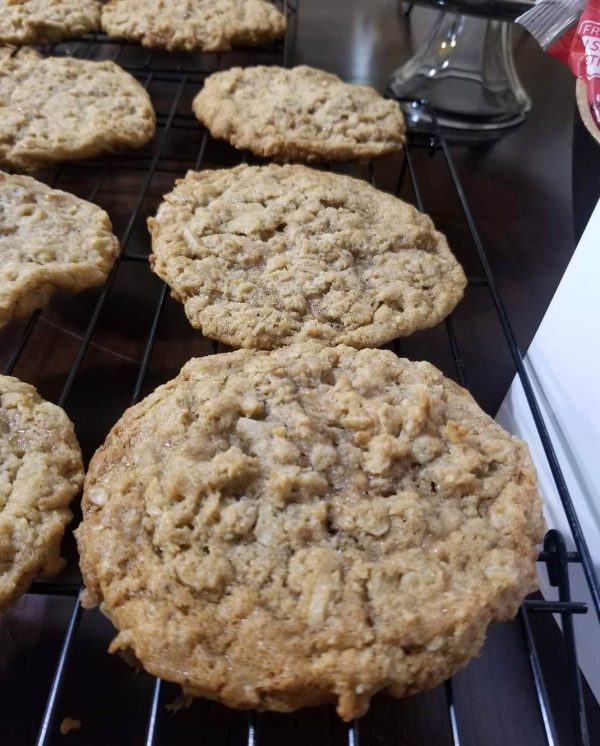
129,708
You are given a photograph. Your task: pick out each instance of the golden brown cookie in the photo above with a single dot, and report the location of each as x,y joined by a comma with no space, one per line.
57,108
40,472
267,256
309,525
203,25
42,21
299,114
49,239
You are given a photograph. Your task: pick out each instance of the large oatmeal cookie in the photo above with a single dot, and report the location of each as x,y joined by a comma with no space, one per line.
266,256
40,472
299,114
308,525
41,21
203,25
49,239
57,108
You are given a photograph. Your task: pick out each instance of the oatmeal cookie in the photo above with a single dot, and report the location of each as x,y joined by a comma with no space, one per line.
57,108
266,256
314,524
40,472
49,239
203,25
299,114
42,21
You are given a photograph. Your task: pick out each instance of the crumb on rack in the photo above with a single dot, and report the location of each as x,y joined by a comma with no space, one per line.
181,702
69,724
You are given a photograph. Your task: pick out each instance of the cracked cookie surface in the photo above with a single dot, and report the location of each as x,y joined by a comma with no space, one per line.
202,25
43,21
40,472
49,239
299,114
313,524
270,255
56,108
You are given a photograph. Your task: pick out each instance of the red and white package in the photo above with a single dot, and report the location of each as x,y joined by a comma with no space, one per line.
551,23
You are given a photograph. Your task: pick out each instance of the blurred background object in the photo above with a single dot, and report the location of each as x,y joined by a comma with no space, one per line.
586,162
465,68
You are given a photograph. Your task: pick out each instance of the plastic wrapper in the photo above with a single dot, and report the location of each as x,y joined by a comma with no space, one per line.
570,31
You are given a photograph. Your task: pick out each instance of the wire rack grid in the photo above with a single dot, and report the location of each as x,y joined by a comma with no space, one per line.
180,144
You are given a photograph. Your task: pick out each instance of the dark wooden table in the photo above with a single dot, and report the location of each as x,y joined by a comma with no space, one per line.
519,189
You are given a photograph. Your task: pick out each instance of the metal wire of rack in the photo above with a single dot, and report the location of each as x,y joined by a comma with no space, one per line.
180,144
